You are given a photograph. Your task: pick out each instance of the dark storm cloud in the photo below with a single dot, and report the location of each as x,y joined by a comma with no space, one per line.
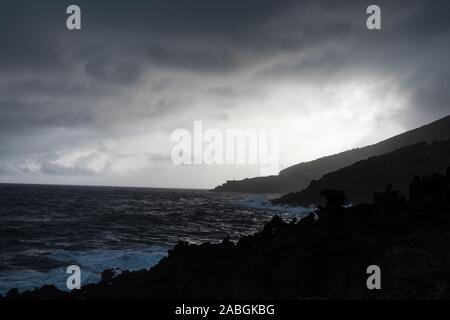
88,84
158,158
124,72
4,170
162,31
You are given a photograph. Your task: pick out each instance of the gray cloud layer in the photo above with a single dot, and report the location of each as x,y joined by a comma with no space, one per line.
147,67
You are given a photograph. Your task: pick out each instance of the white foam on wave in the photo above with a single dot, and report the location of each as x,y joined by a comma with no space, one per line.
263,202
91,263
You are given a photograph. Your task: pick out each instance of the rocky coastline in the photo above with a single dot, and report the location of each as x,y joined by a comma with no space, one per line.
322,256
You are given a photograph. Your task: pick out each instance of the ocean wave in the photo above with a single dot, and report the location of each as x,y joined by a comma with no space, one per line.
106,228
263,202
91,263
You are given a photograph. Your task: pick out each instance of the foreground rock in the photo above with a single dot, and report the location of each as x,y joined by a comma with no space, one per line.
307,259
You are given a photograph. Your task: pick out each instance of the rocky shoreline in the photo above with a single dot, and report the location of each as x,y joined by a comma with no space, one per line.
324,258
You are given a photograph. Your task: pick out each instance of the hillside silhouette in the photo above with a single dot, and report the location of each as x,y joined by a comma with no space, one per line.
363,178
299,176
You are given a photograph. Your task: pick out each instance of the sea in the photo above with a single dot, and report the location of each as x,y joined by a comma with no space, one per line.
46,228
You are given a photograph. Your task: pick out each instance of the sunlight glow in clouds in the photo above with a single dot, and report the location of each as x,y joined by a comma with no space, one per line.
316,121
313,121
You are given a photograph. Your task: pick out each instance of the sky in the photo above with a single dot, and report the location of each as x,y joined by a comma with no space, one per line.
98,106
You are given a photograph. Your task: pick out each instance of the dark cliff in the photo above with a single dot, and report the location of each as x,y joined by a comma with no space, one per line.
360,180
297,177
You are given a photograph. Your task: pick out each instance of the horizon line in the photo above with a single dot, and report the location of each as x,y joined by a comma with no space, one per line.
99,186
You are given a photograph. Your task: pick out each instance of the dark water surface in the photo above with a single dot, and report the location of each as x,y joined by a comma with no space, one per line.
44,229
